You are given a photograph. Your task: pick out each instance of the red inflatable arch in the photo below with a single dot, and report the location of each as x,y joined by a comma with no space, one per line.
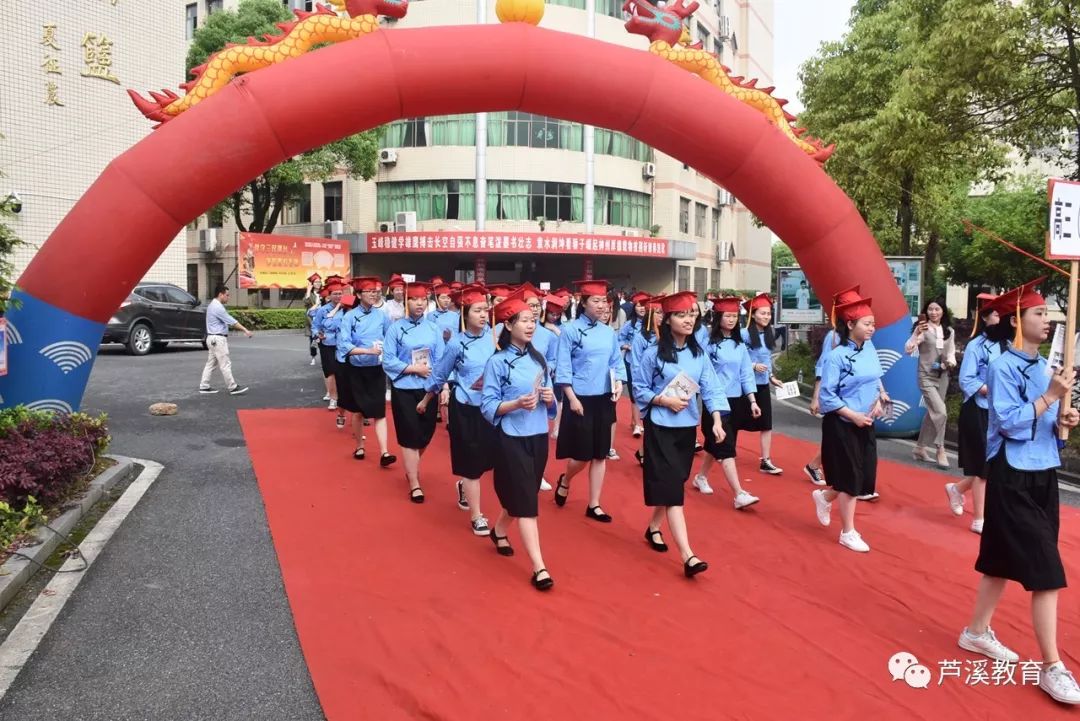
147,195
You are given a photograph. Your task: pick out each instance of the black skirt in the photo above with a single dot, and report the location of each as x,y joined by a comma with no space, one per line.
848,456
586,437
366,390
629,384
328,358
519,468
472,439
1020,537
972,438
413,430
669,456
345,399
764,421
725,450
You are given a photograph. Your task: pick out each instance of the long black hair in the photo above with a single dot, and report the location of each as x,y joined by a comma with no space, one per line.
946,317
505,340
1003,332
716,334
757,335
666,343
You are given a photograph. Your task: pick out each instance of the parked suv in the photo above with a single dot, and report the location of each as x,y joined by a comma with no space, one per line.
154,315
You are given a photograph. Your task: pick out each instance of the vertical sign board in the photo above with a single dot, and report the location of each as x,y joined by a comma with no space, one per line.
797,301
907,271
1063,243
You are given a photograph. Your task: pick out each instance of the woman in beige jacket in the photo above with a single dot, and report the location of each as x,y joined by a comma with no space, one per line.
935,342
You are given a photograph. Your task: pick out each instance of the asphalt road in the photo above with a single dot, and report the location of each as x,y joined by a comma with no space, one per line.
184,616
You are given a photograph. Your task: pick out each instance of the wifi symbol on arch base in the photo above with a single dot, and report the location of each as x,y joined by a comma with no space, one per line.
67,355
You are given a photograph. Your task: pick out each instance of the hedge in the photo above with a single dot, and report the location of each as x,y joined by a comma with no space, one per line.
270,318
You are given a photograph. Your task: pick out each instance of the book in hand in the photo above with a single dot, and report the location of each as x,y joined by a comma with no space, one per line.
682,387
788,391
539,382
479,384
421,357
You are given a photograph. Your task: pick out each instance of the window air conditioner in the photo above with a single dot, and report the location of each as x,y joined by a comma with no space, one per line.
724,198
388,156
386,227
335,227
648,171
405,222
208,240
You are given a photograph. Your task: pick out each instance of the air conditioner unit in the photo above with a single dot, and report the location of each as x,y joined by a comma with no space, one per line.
405,222
335,227
388,156
648,171
725,252
386,227
724,198
632,233
724,31
208,240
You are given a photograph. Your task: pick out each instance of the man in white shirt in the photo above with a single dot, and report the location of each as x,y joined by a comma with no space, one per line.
395,306
218,322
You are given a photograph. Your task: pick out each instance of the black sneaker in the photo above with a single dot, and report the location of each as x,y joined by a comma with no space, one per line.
814,474
208,391
238,390
768,467
462,502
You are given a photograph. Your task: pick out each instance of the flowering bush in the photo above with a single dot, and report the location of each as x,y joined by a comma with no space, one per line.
42,455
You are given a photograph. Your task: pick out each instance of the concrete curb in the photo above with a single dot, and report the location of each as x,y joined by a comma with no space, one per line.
17,571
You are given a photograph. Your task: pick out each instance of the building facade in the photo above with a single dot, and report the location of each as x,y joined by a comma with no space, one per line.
64,112
546,179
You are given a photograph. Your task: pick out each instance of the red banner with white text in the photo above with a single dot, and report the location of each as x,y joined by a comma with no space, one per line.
499,242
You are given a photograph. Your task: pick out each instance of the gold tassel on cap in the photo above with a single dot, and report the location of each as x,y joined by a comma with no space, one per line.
975,326
1018,339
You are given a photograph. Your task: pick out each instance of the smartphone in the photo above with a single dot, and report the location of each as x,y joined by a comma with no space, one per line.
922,317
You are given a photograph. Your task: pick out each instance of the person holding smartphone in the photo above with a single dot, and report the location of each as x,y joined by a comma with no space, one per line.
935,342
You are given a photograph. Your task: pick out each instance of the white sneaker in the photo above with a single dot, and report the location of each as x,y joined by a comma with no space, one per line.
702,484
745,500
988,645
823,507
480,527
870,497
332,406
1057,681
387,395
976,526
544,485
612,455
313,361
851,539
326,397
956,499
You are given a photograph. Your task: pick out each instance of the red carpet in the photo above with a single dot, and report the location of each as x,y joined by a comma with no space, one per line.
403,614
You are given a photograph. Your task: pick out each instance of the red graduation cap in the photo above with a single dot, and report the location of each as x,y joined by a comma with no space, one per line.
440,289
555,301
314,277
678,302
334,285
324,292
848,295
983,306
730,304
761,300
1016,301
436,280
855,309
654,302
499,290
472,294
528,290
457,285
396,281
562,292
348,300
418,289
639,298
592,287
509,308
367,282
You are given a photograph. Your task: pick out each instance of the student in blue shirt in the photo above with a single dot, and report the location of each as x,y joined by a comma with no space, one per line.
411,350
361,381
851,398
989,341
457,380
731,362
626,338
1020,539
591,372
673,414
444,316
326,323
554,305
518,400
644,339
760,338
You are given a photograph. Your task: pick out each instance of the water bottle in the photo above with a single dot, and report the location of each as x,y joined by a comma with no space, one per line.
800,376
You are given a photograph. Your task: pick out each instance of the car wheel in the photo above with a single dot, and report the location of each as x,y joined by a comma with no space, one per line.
140,339
160,345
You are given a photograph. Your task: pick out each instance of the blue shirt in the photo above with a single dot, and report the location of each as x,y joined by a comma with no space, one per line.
311,313
360,328
508,375
628,331
653,376
446,320
402,338
218,319
463,364
979,353
588,352
761,355
545,341
638,346
328,325
832,339
850,378
731,361
1016,381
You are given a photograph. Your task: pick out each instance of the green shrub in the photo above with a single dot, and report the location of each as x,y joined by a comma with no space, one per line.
15,522
798,357
271,318
22,417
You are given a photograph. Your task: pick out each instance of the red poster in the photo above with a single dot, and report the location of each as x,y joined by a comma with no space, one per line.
286,261
497,242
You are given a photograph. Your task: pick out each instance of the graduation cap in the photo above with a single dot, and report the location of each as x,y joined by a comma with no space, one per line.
527,291
761,300
1017,301
555,301
729,304
418,289
396,281
334,285
845,296
639,298
509,308
499,290
367,282
983,307
854,309
348,301
440,288
592,287
314,277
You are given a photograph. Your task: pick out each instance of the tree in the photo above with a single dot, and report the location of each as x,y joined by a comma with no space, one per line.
8,243
781,255
257,206
1018,213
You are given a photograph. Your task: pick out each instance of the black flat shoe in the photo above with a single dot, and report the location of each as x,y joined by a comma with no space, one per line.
560,498
640,457
506,550
367,421
651,535
698,448
542,584
596,514
694,570
359,454
416,495
387,460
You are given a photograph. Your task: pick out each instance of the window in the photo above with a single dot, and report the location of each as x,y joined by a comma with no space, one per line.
421,132
430,200
527,130
152,293
175,295
699,219
684,215
611,8
191,20
299,211
610,142
215,218
333,202
684,278
715,284
579,4
615,206
700,278
193,279
524,200
703,37
215,276
292,295
213,6
716,224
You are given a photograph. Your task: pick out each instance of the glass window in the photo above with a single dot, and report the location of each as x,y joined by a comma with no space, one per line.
579,4
523,200
300,210
611,8
699,219
703,38
684,215
716,224
175,295
715,284
215,276
422,132
700,278
610,142
193,279
333,201
153,293
191,20
684,278
430,200
627,208
213,6
527,130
